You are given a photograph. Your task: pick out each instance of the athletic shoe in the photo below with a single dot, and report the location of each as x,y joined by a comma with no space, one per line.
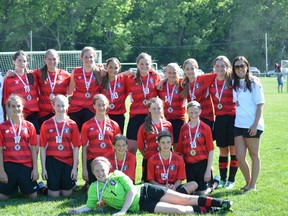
215,182
41,185
229,185
226,204
221,184
212,209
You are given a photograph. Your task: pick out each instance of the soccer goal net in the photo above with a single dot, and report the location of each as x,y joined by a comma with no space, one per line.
68,60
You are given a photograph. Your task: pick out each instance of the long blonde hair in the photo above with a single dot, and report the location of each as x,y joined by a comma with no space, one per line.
186,82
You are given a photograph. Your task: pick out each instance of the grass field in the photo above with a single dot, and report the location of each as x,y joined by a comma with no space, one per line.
270,199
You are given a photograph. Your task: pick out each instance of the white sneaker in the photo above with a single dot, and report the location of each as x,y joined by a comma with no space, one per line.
229,185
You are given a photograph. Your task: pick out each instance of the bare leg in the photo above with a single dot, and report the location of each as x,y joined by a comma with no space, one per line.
53,193
132,146
241,157
190,187
66,193
176,198
253,145
4,197
167,208
32,195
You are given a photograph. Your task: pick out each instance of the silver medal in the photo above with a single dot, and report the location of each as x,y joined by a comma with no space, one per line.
219,106
60,147
164,176
111,106
52,96
192,152
29,97
87,95
103,145
17,147
145,102
170,109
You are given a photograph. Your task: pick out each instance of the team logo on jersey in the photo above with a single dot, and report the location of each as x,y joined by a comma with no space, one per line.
198,134
112,182
67,130
172,167
151,81
118,85
197,86
50,130
176,91
91,129
157,167
25,130
16,82
79,77
125,168
60,77
7,131
108,128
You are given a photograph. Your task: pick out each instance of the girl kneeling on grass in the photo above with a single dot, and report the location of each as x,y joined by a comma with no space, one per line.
117,191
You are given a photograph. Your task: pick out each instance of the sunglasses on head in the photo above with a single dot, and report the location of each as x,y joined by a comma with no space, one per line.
239,66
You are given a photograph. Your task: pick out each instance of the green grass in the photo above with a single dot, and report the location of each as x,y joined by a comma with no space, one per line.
270,199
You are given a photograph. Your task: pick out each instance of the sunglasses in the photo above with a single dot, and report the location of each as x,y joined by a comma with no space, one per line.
242,66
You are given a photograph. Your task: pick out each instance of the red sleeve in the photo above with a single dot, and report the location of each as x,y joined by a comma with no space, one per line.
1,137
150,169
75,138
179,147
208,138
5,90
84,135
33,136
140,137
43,137
131,172
171,132
207,79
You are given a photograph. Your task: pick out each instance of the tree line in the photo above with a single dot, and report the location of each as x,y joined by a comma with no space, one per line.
169,30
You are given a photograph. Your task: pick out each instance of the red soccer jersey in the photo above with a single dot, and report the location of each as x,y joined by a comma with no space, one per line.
70,140
147,141
228,106
90,137
137,94
60,87
28,138
79,100
13,85
129,166
117,105
201,93
204,143
156,171
177,102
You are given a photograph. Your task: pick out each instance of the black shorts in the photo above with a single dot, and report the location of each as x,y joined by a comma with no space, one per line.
223,130
150,195
176,125
209,123
44,118
133,126
120,119
81,117
18,176
91,176
195,172
33,118
244,132
59,175
144,170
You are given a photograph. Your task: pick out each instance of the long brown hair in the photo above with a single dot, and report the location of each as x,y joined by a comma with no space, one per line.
105,79
148,126
248,77
30,76
186,82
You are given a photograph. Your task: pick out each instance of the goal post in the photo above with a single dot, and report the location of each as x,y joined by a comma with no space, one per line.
68,60
284,70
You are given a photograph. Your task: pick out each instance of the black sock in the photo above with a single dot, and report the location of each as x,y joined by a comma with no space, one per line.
199,209
182,190
223,167
209,201
233,168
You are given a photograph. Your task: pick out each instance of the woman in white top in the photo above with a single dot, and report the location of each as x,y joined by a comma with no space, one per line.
249,124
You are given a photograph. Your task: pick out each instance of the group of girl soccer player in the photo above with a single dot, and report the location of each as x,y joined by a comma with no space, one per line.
172,122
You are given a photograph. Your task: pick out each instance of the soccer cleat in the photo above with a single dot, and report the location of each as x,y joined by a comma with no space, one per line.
226,204
213,209
229,185
221,184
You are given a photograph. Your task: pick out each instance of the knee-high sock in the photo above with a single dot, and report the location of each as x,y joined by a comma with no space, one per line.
223,167
233,168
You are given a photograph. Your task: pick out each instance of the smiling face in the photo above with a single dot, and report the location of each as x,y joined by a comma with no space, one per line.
60,105
220,68
100,170
20,63
193,112
112,68
100,106
165,144
191,69
88,58
172,74
120,146
241,69
51,60
15,108
156,110
144,65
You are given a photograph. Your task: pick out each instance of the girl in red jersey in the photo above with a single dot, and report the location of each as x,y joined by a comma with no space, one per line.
24,84
18,154
149,130
196,146
51,81
60,142
84,84
114,88
97,135
121,159
174,107
196,87
141,90
167,168
222,97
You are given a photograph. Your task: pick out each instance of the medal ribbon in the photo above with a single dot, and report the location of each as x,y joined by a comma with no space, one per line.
192,94
146,86
102,132
116,162
57,131
52,85
26,85
112,93
190,135
222,89
87,84
17,137
170,96
166,172
99,196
